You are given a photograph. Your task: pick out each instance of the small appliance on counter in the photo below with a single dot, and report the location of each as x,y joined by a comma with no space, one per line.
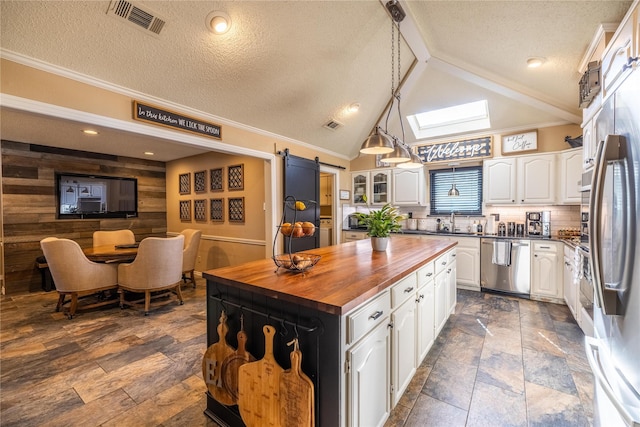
534,223
546,224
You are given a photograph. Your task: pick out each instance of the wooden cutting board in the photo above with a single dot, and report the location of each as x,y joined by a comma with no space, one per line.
296,394
232,363
212,364
259,387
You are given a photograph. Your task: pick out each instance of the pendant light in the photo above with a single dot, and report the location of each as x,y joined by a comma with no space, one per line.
392,150
414,163
453,192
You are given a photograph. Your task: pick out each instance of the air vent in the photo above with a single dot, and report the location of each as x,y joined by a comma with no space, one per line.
142,18
332,125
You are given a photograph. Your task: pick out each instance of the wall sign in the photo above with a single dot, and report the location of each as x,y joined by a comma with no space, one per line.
526,141
158,116
468,149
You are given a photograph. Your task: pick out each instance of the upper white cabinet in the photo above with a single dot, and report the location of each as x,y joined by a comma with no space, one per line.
619,56
537,179
375,185
588,145
500,181
570,174
520,180
409,187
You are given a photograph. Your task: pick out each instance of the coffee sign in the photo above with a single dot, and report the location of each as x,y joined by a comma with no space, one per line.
526,141
457,150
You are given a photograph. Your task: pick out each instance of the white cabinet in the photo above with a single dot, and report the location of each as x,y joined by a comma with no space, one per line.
570,288
368,378
409,187
570,174
520,180
468,266
619,56
546,271
452,288
536,179
425,318
500,181
371,187
403,344
588,145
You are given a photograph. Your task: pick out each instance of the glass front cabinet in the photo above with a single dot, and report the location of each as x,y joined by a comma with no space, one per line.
371,187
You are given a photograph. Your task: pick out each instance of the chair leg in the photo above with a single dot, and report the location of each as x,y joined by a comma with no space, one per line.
60,302
193,278
147,301
74,305
179,294
121,298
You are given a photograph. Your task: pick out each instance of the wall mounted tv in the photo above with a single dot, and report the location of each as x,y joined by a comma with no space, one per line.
83,196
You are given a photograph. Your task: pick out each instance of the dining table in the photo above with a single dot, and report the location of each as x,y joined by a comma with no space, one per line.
112,253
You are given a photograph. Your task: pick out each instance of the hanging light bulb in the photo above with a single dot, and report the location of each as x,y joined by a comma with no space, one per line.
453,192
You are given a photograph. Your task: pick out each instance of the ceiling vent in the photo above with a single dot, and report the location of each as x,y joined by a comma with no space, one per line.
332,125
141,17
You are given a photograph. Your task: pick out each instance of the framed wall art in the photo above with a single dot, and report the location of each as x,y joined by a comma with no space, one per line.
236,209
185,210
344,195
200,181
184,182
200,210
216,178
519,142
235,177
216,210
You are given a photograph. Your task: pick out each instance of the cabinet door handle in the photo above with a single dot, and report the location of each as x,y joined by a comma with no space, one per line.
409,289
453,255
545,247
448,271
444,262
376,315
429,274
420,297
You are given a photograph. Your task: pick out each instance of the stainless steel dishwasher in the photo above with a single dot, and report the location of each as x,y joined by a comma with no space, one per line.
510,273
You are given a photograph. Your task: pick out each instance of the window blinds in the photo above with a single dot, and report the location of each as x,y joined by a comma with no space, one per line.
468,181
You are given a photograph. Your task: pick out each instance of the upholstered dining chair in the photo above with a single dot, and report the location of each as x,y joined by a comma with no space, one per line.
77,276
157,267
113,237
190,253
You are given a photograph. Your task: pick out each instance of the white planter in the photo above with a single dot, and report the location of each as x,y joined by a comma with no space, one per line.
379,243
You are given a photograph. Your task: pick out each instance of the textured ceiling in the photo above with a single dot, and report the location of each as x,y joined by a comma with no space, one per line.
289,67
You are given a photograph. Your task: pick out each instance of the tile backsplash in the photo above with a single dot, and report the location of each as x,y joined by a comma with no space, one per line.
562,217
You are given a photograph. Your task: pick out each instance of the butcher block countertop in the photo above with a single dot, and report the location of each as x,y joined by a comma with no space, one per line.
346,276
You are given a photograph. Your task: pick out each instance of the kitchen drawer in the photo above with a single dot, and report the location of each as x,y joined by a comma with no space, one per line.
365,318
452,255
441,262
545,247
403,290
426,273
354,235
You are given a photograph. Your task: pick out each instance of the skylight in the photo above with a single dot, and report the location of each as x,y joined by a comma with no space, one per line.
459,118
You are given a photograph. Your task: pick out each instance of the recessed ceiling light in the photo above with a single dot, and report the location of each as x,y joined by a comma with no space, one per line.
535,62
218,22
149,153
90,131
354,107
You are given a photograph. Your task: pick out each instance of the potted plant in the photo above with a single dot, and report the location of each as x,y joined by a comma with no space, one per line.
380,224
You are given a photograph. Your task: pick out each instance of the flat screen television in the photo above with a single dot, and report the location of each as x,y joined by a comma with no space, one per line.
81,196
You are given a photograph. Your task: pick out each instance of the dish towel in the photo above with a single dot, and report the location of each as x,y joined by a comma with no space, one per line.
577,266
501,253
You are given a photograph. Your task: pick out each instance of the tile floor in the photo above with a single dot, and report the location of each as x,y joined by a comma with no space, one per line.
499,361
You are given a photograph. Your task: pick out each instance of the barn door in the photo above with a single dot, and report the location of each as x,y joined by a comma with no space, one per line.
302,181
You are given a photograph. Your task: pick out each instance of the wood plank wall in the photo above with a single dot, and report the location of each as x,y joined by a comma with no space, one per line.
29,204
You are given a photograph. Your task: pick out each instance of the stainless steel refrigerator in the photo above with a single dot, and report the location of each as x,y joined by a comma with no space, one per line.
614,243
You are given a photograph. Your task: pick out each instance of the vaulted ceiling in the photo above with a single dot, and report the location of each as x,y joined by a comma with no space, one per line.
289,67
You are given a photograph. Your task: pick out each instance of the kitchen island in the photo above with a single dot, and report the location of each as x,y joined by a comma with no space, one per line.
353,302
